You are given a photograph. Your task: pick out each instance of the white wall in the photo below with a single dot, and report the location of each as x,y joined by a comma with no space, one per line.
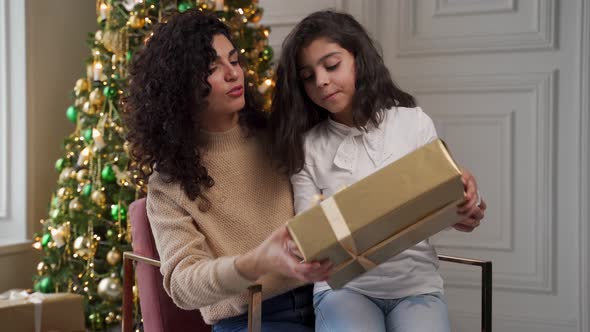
503,81
55,51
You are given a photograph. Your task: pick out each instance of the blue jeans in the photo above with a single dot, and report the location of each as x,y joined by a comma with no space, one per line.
347,310
288,312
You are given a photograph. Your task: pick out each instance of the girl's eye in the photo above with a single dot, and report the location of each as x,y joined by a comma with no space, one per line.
332,67
305,76
212,70
235,63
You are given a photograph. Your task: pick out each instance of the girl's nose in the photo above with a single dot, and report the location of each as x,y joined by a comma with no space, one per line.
322,79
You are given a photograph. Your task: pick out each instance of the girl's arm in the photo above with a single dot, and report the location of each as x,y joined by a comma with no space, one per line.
305,190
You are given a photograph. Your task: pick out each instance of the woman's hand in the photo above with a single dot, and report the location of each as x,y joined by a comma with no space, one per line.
473,208
279,254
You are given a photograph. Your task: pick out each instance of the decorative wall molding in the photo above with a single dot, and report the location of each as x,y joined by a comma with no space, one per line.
540,37
4,100
542,86
13,122
584,312
504,124
448,8
504,322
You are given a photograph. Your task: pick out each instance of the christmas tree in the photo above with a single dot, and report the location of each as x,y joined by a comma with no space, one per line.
86,231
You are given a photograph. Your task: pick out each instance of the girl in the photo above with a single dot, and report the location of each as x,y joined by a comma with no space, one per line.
338,117
216,207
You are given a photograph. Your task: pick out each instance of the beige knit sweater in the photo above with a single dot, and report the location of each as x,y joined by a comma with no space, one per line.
249,201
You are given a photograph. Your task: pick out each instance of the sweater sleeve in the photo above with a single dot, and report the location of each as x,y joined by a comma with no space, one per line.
192,276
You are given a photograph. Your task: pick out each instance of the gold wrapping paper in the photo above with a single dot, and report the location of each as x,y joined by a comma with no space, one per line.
61,312
378,217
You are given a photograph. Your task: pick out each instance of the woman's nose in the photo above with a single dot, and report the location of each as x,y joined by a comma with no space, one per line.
231,73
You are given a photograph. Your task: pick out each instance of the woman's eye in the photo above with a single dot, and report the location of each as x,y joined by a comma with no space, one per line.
211,70
235,63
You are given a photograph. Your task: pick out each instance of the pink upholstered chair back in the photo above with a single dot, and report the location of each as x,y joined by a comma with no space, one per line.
158,311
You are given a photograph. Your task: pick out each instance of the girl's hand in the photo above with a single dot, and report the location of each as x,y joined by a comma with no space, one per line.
473,208
279,254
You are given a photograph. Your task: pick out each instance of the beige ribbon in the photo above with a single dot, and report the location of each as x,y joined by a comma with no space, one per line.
343,234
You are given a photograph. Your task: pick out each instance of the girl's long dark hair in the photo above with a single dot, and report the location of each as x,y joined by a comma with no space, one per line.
167,94
293,113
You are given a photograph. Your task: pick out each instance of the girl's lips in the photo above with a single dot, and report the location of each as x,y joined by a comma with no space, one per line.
330,96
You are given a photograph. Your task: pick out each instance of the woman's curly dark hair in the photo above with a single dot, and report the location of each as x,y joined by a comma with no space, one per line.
167,93
293,113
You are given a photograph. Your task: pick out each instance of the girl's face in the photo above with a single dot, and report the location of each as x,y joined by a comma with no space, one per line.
328,74
226,79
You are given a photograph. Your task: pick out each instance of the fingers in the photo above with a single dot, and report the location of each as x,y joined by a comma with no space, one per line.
467,225
293,249
311,272
470,187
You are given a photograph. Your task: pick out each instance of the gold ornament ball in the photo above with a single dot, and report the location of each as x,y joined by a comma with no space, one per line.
113,257
82,175
81,86
88,108
98,197
82,247
110,289
63,193
136,22
65,174
98,35
75,205
42,268
96,97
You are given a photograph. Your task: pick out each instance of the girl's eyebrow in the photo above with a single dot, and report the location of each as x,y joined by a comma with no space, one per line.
320,60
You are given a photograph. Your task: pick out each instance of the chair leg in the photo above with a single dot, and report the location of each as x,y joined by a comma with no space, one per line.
128,280
254,308
486,297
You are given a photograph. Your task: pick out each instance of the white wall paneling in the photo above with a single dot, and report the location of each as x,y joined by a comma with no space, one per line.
282,16
516,131
584,313
438,27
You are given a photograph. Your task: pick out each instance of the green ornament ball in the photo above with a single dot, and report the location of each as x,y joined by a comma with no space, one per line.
45,239
267,53
128,56
87,190
117,210
87,134
108,174
110,234
72,113
59,164
109,91
184,6
45,285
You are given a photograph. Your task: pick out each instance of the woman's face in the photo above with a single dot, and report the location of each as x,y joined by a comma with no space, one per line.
328,74
226,79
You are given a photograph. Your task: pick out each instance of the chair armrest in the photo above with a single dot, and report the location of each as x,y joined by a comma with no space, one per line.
486,287
254,292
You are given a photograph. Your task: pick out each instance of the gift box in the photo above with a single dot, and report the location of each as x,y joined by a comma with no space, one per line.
61,312
383,214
